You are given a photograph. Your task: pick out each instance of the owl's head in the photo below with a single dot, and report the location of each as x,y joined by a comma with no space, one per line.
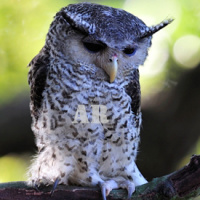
109,39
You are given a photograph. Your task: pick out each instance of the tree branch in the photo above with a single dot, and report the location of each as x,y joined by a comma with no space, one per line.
182,184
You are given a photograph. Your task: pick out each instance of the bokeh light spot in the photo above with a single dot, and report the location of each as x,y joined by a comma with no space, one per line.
186,51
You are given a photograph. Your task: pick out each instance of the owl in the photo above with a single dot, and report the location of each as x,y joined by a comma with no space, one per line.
85,98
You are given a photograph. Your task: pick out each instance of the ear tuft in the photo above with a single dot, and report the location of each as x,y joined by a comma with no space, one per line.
149,31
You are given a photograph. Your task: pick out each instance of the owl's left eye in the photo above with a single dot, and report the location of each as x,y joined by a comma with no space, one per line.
93,47
130,51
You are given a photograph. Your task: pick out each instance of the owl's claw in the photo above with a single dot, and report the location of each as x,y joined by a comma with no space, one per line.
103,191
36,187
130,188
130,192
108,186
54,186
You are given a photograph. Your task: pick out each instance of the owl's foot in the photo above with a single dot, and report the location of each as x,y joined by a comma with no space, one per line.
108,186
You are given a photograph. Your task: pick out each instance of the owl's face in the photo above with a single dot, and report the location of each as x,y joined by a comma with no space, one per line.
101,38
80,49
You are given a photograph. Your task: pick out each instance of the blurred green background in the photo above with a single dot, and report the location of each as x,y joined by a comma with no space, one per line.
175,53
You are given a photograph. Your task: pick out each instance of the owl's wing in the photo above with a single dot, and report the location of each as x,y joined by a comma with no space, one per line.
39,67
133,90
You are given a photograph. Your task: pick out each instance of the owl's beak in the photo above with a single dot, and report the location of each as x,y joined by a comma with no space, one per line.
111,68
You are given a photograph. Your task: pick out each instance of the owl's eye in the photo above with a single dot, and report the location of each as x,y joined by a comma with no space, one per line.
130,51
93,47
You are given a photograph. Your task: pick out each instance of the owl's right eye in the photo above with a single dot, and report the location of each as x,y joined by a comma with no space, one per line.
130,51
94,47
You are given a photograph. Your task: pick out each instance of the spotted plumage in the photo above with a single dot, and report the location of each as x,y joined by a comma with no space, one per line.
85,98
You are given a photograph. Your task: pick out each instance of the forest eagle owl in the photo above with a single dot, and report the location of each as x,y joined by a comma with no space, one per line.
85,98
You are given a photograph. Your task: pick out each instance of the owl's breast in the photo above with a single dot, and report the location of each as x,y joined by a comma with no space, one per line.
78,107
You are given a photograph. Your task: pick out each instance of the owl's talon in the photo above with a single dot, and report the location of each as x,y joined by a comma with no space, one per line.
107,187
130,190
54,186
103,191
129,186
36,187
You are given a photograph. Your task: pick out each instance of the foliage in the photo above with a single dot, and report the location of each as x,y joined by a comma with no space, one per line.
13,167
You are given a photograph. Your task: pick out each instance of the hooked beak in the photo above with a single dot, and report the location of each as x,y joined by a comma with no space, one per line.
111,68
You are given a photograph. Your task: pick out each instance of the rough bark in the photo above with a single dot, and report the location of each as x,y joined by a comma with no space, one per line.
182,184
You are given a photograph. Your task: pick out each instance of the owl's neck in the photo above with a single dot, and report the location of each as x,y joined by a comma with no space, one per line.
89,75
